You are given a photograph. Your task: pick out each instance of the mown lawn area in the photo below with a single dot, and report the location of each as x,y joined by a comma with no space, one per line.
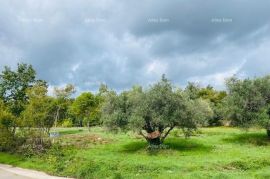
211,153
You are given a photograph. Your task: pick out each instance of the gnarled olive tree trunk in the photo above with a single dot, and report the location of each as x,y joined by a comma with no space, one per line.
156,137
153,138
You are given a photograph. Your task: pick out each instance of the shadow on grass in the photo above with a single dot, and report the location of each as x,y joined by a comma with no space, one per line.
258,139
184,145
133,147
187,145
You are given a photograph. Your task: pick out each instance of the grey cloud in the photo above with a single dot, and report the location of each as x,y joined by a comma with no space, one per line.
119,42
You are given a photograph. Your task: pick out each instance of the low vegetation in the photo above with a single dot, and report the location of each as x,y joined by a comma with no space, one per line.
210,153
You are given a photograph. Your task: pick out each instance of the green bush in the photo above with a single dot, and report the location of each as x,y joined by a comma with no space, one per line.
7,142
29,149
55,157
67,123
35,143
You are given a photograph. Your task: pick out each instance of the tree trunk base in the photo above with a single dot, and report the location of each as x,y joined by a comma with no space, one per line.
155,141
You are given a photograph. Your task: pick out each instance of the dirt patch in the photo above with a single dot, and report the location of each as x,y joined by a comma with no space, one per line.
247,165
82,141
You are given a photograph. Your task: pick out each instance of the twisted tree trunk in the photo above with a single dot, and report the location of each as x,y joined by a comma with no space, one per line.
153,138
155,141
156,137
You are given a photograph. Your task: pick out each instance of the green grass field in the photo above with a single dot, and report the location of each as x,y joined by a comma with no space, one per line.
212,153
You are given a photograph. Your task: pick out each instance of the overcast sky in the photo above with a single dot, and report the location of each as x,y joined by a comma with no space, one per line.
122,42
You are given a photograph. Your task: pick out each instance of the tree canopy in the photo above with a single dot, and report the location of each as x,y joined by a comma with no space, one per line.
39,112
248,102
153,112
85,107
156,111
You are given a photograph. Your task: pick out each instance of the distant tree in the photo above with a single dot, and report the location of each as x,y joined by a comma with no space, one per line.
103,89
38,114
216,100
62,102
248,102
153,113
100,98
217,103
84,108
193,90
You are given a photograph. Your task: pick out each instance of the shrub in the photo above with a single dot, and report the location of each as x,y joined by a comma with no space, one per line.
67,123
7,142
34,144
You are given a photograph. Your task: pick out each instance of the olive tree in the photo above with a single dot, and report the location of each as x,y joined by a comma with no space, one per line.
248,102
155,112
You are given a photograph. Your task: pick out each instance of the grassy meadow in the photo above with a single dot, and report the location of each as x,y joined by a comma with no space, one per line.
211,153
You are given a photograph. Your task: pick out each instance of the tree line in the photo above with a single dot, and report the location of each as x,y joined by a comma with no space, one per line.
27,112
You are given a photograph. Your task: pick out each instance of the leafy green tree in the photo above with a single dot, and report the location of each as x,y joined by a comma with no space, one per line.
103,90
84,108
217,103
13,86
6,127
193,90
38,114
209,93
62,102
154,112
216,100
6,117
248,102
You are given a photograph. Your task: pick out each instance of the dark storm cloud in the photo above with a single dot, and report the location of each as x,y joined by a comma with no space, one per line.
122,43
